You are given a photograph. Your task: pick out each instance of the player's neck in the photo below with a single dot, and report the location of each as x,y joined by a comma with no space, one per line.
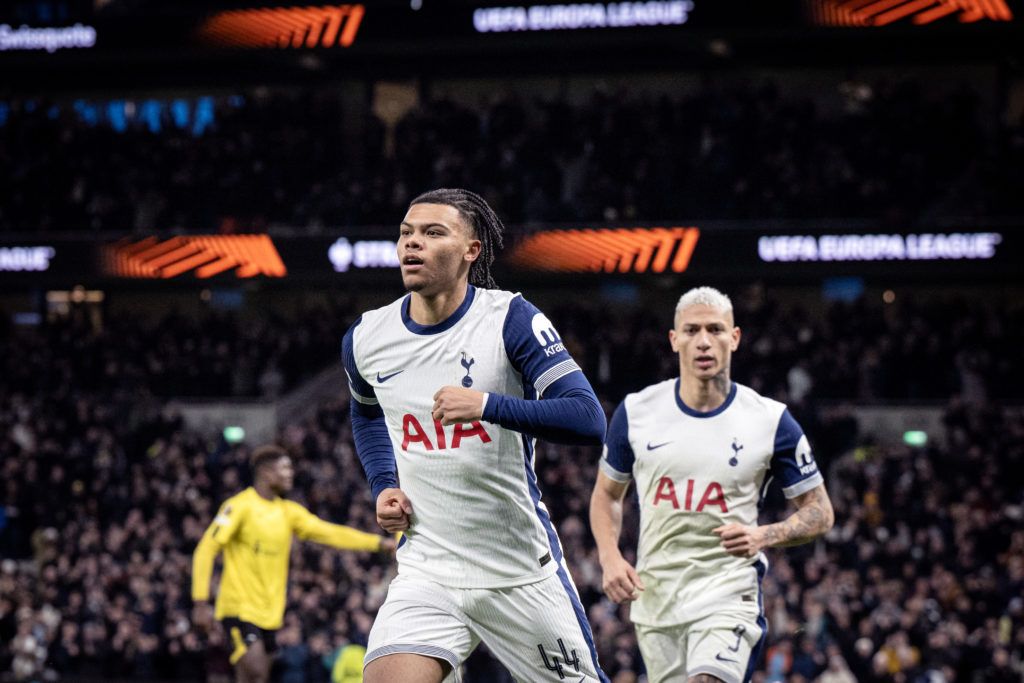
264,490
704,395
431,309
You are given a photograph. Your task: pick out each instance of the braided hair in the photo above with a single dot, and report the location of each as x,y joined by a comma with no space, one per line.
479,216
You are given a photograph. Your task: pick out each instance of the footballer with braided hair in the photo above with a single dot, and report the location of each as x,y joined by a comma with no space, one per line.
451,384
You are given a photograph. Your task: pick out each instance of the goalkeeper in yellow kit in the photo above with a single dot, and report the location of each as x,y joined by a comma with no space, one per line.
254,530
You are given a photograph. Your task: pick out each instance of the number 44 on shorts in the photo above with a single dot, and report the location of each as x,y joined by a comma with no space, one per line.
554,665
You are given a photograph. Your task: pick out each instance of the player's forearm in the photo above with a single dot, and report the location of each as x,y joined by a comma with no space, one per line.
373,445
202,568
606,525
813,518
576,418
341,536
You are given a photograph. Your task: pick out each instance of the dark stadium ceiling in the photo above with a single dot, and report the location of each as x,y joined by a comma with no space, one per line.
59,44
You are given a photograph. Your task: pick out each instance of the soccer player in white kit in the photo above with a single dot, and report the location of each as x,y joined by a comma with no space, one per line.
703,451
444,385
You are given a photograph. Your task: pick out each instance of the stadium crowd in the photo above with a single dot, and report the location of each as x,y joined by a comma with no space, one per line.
900,150
176,353
913,350
106,492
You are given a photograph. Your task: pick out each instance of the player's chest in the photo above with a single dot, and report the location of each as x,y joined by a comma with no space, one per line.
683,448
406,372
267,532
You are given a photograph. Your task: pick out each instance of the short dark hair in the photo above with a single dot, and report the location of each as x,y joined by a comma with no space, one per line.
264,456
486,226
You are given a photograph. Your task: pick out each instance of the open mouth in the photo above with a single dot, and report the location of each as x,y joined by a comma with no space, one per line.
705,362
412,262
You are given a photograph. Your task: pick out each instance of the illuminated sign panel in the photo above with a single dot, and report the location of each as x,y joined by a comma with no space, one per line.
882,12
284,27
368,257
581,16
26,259
49,39
913,247
363,254
205,255
609,250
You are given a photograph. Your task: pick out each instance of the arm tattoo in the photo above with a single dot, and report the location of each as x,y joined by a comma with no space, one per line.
814,516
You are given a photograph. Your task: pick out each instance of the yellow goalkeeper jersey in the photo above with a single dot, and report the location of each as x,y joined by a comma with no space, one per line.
255,535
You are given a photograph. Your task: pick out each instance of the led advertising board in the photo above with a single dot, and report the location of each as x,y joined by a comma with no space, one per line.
49,26
741,251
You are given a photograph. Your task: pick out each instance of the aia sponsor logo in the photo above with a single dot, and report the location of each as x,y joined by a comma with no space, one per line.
413,433
711,495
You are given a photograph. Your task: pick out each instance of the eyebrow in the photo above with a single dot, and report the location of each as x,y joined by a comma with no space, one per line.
426,225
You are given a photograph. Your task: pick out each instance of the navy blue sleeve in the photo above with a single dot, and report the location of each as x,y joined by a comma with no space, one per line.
569,412
369,429
618,458
793,464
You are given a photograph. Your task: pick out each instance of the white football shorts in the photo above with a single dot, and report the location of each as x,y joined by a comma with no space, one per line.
539,631
726,645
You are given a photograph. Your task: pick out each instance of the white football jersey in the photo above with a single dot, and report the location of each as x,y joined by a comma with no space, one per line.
478,521
694,472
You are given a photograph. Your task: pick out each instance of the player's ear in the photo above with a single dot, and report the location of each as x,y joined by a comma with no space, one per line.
735,339
672,340
472,251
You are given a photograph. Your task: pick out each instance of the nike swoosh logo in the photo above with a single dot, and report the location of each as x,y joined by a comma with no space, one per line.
720,658
651,446
385,378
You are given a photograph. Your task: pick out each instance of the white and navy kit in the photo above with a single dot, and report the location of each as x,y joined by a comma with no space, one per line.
478,523
696,471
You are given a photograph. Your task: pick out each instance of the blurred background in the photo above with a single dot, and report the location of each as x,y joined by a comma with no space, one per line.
198,198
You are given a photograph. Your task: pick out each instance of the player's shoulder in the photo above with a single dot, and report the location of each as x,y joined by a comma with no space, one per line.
647,404
292,504
510,310
496,300
238,503
748,399
243,496
382,314
374,325
293,508
499,296
652,393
